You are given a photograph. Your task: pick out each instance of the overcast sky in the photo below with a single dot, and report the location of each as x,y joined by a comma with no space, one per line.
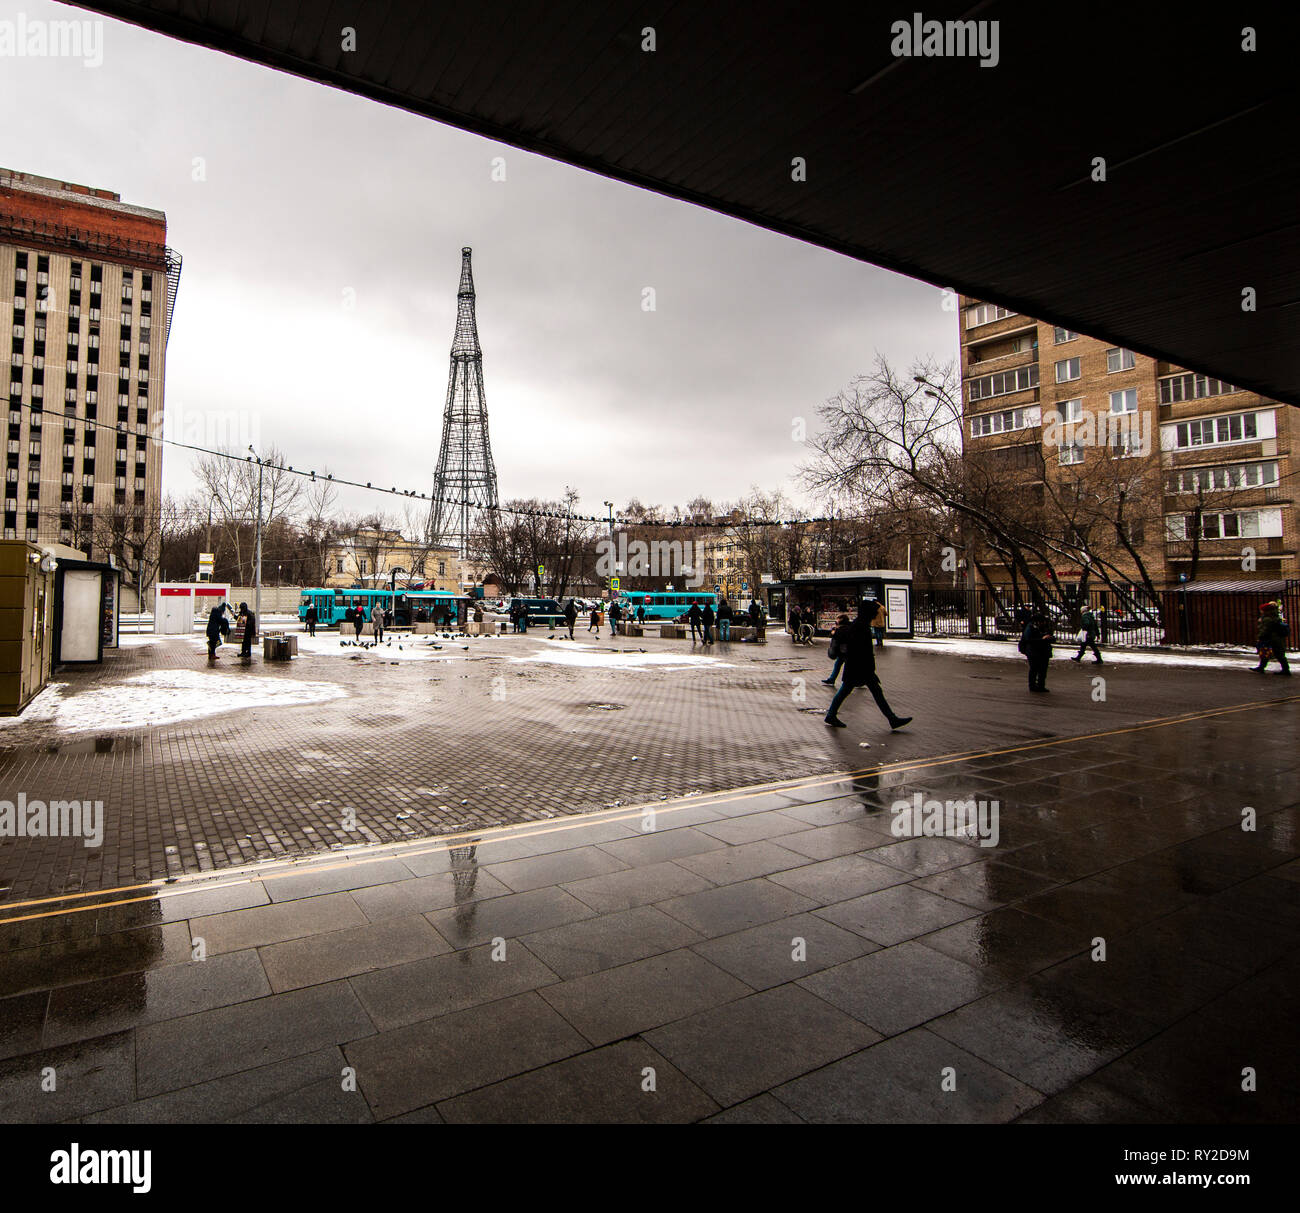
311,193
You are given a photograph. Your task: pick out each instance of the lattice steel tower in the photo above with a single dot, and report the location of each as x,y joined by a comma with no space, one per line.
466,480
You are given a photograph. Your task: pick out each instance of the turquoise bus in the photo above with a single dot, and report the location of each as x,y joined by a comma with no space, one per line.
406,606
666,604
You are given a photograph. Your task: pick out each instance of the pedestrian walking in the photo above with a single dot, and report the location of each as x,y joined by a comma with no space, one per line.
571,616
1271,637
640,614
878,625
706,619
218,629
250,630
311,620
793,622
377,622
594,625
757,618
358,622
860,671
615,614
1036,645
1088,636
724,620
694,617
839,648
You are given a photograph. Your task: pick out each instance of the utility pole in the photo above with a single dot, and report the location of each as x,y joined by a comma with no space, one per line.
257,575
609,505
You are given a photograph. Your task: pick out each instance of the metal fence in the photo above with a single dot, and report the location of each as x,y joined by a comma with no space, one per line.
1184,616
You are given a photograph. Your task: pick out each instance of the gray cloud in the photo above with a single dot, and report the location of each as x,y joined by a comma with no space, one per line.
311,192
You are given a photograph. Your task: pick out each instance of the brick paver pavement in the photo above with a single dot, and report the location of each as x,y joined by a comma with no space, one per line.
476,738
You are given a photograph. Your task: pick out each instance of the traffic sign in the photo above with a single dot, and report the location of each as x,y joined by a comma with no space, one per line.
613,583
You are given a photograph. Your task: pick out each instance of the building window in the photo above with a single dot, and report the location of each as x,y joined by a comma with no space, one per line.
1067,369
1234,524
1061,336
1071,411
1119,360
1125,401
1126,445
1021,379
442,568
1192,387
362,566
1229,476
1000,423
339,563
1216,431
985,313
1071,452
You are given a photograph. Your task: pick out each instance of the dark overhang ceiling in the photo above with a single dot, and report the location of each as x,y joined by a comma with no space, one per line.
975,178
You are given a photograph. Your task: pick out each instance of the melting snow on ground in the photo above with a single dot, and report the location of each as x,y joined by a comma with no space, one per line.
575,653
1065,648
159,697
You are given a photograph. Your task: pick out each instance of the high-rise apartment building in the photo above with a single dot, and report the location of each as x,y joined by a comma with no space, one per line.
1199,472
87,285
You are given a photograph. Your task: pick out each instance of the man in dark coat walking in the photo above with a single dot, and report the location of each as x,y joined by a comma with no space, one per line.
311,618
706,620
615,614
571,616
860,671
1088,629
1270,639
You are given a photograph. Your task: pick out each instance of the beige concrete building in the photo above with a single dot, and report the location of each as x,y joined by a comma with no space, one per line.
87,284
1206,466
368,557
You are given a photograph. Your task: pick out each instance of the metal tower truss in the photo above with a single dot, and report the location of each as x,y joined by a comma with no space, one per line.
465,482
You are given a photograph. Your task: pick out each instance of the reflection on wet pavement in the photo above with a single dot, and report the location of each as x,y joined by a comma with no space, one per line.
1123,952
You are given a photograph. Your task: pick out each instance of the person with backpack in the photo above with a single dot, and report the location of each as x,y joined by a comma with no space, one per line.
839,648
1087,636
1036,645
860,671
1271,637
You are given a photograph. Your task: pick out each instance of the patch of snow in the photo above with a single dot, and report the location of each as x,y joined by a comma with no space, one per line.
569,655
159,697
1233,659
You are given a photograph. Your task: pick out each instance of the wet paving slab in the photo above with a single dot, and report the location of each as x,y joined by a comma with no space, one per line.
499,733
1122,951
